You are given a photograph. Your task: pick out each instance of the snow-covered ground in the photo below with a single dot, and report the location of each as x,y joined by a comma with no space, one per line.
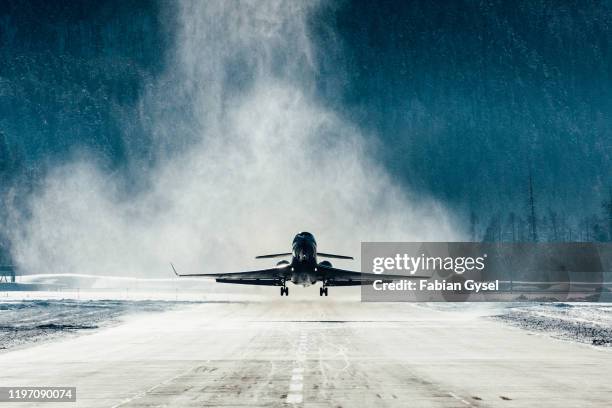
25,322
589,323
317,352
29,317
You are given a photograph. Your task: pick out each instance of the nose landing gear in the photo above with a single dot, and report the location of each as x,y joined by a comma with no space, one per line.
323,291
284,291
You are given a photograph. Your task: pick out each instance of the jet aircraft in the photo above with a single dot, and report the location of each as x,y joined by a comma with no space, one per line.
303,269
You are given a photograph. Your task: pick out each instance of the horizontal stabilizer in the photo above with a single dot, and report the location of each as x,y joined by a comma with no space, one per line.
284,254
324,255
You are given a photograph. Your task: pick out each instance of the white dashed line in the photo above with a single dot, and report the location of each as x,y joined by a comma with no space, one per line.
294,398
296,385
458,398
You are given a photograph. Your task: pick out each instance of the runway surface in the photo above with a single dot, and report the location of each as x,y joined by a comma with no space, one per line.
315,354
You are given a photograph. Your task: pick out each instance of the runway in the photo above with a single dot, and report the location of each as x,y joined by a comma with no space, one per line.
316,353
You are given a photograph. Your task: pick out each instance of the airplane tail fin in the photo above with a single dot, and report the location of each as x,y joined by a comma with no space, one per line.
273,255
324,255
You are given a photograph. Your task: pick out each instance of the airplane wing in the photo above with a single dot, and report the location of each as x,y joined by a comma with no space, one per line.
339,277
268,277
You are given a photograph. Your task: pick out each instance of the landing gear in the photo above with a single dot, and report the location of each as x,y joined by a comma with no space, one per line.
323,291
284,291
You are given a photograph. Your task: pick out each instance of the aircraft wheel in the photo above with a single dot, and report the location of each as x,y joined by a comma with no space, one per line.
286,291
325,291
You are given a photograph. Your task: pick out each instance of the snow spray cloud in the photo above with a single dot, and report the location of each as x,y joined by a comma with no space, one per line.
264,160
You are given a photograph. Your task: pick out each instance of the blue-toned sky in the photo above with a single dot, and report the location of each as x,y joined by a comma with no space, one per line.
387,120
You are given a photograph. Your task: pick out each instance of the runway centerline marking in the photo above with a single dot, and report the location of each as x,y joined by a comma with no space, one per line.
294,398
296,387
296,384
458,398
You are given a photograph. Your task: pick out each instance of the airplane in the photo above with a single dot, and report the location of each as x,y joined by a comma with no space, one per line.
304,269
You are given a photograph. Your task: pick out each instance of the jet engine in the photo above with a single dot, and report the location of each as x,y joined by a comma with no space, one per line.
282,263
325,263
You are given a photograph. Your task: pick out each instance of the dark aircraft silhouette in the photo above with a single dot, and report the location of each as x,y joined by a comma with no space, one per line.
302,270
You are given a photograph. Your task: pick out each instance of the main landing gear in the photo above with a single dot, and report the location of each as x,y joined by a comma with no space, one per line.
323,291
284,291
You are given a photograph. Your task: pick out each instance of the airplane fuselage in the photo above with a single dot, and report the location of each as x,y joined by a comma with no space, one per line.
304,259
